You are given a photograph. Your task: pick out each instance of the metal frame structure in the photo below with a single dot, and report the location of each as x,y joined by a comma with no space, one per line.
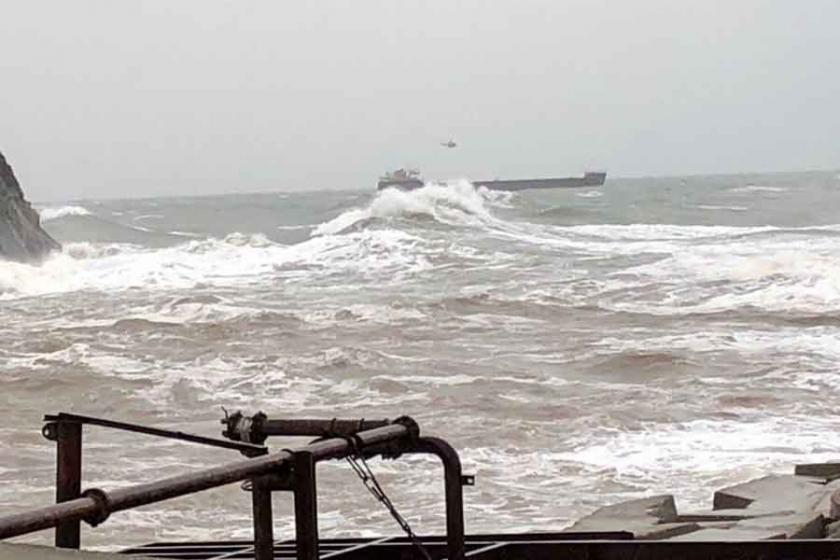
289,469
294,470
259,428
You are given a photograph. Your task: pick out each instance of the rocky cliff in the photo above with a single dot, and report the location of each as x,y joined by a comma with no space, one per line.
21,236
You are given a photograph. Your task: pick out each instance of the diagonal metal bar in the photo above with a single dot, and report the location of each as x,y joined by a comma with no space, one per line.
247,448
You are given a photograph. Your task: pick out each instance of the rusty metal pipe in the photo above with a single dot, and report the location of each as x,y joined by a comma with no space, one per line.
257,428
314,428
453,486
453,482
99,504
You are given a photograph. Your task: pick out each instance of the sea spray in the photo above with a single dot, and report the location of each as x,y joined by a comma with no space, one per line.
55,212
456,204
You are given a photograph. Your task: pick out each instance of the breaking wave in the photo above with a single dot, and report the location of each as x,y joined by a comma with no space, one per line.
455,204
656,269
237,260
54,213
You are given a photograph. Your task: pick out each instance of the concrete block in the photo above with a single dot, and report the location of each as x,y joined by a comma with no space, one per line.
728,515
659,509
664,531
792,526
782,492
829,505
733,534
832,530
642,529
828,471
767,527
647,518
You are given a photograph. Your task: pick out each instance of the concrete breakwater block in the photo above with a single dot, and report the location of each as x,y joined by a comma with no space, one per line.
647,518
656,518
756,525
770,507
780,492
800,525
828,471
832,530
730,516
829,505
659,509
733,534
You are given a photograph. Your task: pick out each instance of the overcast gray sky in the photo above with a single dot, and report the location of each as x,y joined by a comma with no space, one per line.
108,99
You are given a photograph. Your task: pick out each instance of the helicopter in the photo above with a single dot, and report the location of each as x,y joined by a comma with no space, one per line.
450,144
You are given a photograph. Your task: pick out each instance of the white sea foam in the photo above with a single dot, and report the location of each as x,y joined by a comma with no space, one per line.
56,212
146,217
431,380
291,228
696,269
368,313
237,260
796,275
85,250
700,449
715,207
191,311
658,232
758,189
457,204
809,347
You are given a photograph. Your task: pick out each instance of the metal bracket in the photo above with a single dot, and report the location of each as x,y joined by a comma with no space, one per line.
50,431
102,503
281,481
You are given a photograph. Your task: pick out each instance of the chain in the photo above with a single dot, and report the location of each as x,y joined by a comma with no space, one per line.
360,466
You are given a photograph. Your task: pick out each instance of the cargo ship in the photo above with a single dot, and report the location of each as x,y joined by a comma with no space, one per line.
410,179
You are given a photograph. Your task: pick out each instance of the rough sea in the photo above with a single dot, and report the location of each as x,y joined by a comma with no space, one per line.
578,347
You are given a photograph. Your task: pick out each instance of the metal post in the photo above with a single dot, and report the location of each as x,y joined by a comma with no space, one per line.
263,521
306,506
453,483
68,481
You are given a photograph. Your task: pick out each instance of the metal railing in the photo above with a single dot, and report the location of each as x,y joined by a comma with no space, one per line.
259,427
290,470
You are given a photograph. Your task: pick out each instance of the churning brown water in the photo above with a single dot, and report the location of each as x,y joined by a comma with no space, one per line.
578,347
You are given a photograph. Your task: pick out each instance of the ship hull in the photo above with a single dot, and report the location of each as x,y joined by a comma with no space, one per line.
588,180
402,184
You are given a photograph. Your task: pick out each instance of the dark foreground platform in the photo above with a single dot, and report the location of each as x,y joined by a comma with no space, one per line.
539,546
